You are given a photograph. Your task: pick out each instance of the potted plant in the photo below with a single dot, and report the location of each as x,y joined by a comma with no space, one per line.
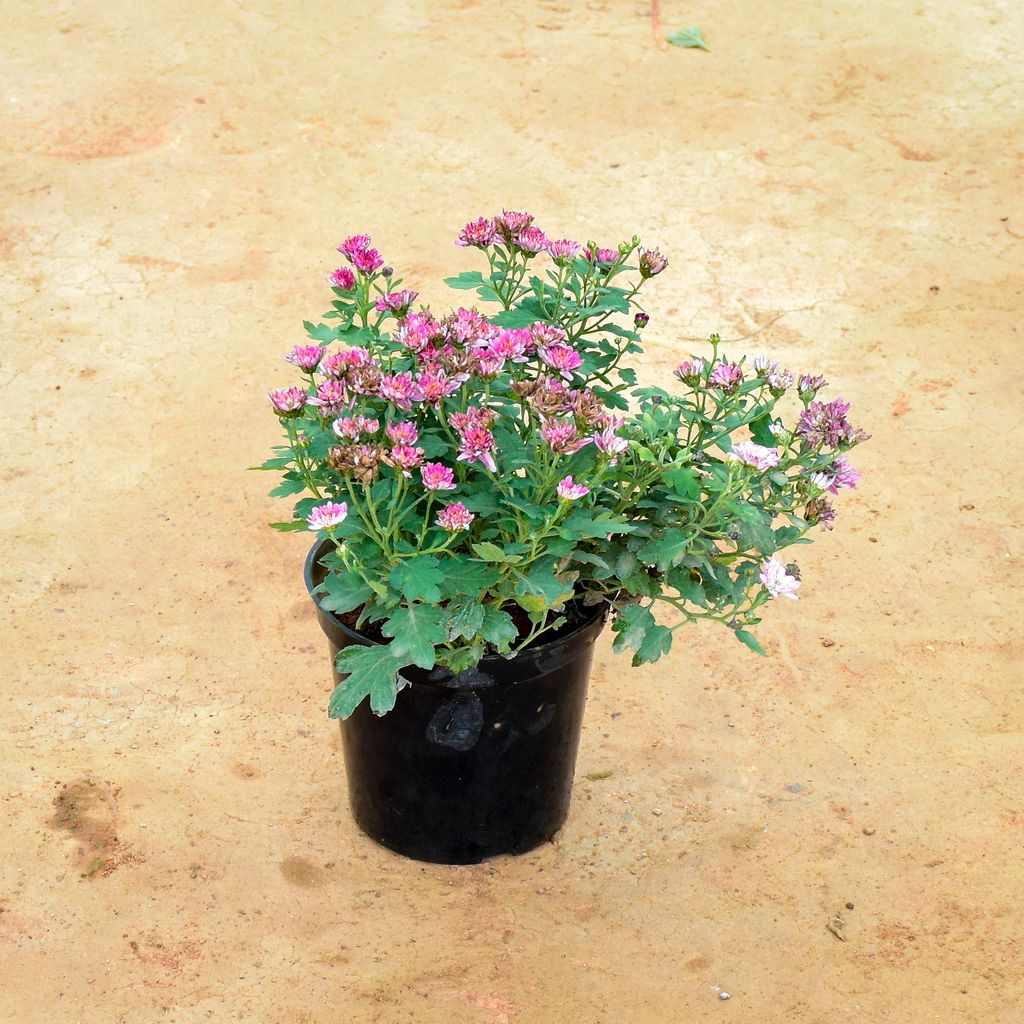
487,489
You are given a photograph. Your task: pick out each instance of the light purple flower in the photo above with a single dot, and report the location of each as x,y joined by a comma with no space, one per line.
562,359
305,357
564,251
396,302
825,424
727,376
477,445
755,455
288,402
602,257
480,233
641,320
836,477
323,517
652,262
455,517
342,278
809,386
777,581
610,443
437,477
691,371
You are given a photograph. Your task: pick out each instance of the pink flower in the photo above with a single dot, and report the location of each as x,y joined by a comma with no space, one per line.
400,389
437,477
396,302
641,320
455,517
405,458
544,335
474,416
562,438
342,278
353,427
288,402
564,251
569,491
778,379
339,363
477,445
511,344
727,376
755,455
691,371
512,223
354,244
305,357
323,517
435,385
331,397
777,581
469,327
490,364
417,331
367,261
652,263
610,443
402,433
480,233
531,240
602,257
561,358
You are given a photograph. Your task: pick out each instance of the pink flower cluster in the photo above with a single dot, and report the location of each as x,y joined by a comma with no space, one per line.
824,425
323,517
356,249
777,581
754,455
455,517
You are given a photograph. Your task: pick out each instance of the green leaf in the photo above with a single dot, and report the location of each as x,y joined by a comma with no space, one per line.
657,641
368,672
689,37
462,577
289,485
492,553
417,630
418,579
755,526
541,590
290,527
582,523
751,641
666,550
516,318
631,626
277,462
464,619
685,482
464,657
343,592
466,280
320,332
498,628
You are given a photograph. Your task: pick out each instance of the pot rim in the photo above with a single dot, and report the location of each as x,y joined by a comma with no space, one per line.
318,549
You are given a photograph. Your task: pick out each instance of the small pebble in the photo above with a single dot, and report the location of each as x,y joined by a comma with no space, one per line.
868,830
849,906
723,996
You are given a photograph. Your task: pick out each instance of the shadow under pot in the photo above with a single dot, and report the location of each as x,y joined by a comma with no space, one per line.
472,765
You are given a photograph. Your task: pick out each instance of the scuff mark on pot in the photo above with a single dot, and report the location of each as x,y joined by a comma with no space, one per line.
457,722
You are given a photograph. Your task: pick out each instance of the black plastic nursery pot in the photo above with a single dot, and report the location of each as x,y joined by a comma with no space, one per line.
469,766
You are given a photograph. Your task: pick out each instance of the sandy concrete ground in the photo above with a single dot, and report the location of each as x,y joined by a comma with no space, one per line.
839,184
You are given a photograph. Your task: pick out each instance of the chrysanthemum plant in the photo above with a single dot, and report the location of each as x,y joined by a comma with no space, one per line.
482,476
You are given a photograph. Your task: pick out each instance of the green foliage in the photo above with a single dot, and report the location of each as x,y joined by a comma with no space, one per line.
677,511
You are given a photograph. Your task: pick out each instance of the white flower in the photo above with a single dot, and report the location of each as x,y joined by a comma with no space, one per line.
777,581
